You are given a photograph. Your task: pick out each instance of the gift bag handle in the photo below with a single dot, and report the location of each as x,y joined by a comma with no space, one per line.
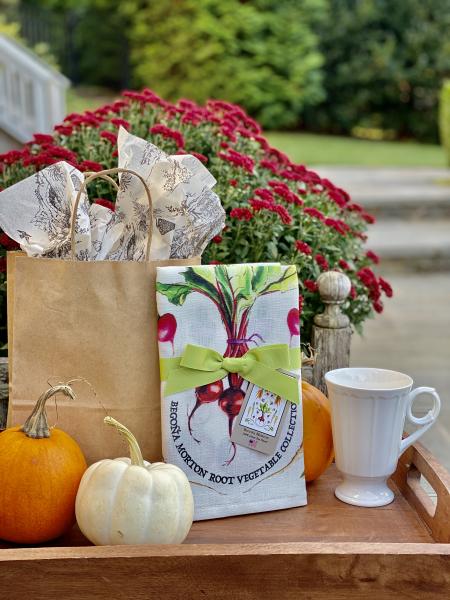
105,175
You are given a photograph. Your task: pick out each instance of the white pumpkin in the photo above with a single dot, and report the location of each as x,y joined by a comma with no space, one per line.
130,501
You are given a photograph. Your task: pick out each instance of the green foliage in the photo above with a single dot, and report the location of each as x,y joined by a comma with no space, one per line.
384,62
262,54
444,118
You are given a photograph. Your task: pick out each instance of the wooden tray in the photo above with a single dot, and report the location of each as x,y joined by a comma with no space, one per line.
324,550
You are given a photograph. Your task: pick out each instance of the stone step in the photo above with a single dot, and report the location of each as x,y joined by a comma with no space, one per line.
395,193
412,245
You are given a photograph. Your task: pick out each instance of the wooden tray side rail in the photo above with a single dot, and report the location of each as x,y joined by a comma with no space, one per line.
414,463
317,571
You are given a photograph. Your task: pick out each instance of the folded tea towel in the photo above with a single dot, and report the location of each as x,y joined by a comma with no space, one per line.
226,332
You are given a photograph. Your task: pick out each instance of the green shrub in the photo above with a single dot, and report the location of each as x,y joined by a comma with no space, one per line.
384,63
261,54
444,118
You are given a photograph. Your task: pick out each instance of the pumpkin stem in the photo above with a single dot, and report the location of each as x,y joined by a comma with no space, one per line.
135,451
36,426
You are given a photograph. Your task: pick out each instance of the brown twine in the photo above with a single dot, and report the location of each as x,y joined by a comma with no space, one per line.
104,175
309,357
69,384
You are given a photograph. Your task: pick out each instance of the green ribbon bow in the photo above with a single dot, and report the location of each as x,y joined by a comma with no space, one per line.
199,366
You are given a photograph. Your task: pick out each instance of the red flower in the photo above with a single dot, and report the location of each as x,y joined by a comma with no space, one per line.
194,117
355,207
109,135
337,225
257,204
136,96
386,287
241,214
378,306
313,212
166,132
303,247
88,118
11,157
118,105
353,293
268,164
321,261
120,123
233,182
105,203
201,157
60,152
368,218
7,242
39,160
64,130
344,264
71,116
282,189
283,213
264,194
217,239
310,285
366,276
373,257
239,160
90,165
42,138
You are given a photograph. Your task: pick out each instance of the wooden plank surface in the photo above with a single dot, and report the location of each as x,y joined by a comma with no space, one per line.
324,518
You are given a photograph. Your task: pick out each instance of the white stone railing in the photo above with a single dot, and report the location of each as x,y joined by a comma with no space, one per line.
32,94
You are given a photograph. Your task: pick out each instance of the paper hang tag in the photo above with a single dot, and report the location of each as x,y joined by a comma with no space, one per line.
259,423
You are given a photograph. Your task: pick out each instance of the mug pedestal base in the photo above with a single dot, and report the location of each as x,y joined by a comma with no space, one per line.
364,491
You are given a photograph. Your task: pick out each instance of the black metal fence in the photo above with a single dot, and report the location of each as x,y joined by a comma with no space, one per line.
70,36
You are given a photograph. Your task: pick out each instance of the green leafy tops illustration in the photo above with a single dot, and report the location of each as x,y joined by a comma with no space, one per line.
233,289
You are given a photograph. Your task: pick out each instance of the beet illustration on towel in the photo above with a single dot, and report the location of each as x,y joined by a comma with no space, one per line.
233,293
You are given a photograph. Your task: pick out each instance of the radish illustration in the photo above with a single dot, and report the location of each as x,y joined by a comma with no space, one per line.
230,402
167,327
293,322
204,395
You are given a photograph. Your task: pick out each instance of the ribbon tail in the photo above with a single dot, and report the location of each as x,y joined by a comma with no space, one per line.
184,378
270,379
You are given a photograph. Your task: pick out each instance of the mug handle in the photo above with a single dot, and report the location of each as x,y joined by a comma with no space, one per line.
426,421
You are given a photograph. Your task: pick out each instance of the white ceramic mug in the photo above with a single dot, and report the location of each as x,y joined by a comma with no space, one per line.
369,408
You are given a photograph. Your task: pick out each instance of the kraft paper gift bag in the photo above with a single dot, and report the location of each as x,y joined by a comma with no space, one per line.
230,371
91,319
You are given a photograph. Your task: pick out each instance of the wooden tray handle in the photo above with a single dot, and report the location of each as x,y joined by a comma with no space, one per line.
413,463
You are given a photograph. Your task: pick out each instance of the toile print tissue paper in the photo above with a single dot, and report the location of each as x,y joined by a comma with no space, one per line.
230,383
37,211
187,213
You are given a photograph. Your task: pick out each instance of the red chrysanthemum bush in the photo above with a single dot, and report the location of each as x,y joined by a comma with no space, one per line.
276,210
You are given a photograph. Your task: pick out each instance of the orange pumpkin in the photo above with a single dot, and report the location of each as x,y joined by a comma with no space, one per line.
40,471
317,436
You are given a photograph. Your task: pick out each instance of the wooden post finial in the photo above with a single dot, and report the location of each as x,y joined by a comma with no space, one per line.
334,287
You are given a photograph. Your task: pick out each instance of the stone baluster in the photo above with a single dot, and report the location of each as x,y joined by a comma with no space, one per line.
331,333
